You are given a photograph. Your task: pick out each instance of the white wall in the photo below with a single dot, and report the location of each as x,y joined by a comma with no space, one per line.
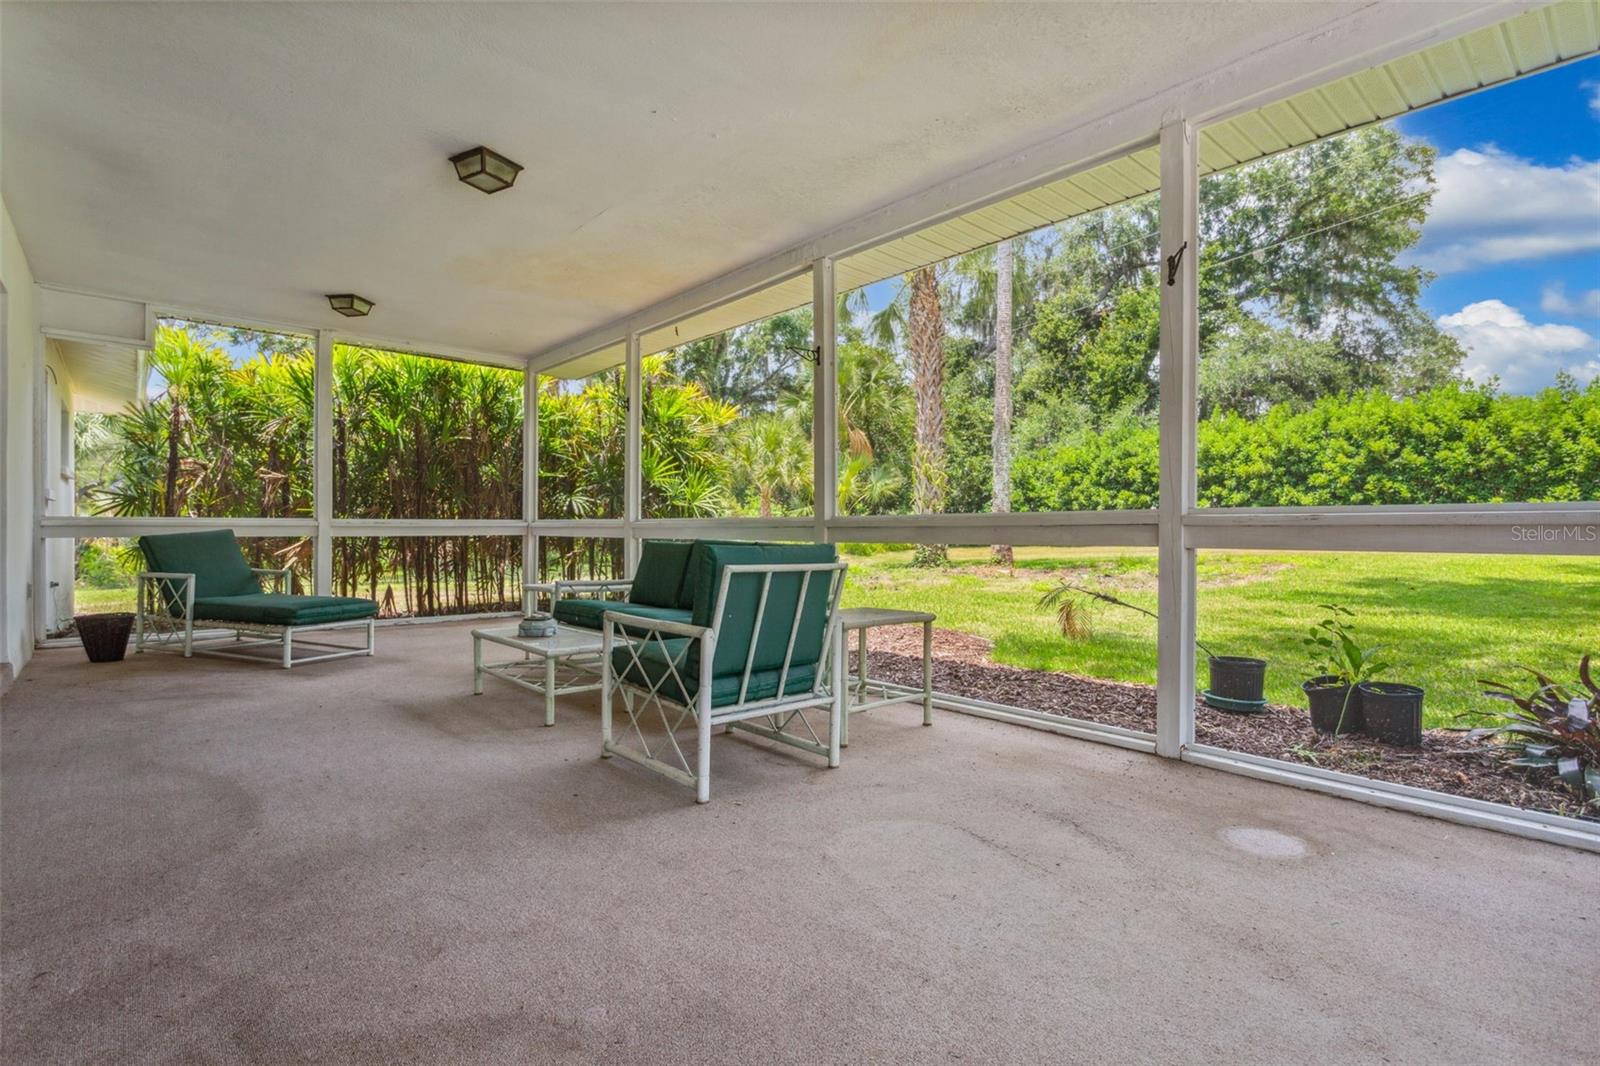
17,361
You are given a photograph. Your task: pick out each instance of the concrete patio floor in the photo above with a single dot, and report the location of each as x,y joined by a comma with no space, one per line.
360,861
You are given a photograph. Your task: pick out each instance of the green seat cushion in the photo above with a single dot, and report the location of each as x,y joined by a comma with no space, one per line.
653,666
277,609
659,577
212,556
589,613
736,628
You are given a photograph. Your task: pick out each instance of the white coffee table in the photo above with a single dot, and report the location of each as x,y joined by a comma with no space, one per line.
562,665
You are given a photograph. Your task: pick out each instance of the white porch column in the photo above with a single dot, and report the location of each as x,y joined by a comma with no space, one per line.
633,475
43,601
1180,332
530,471
824,392
322,469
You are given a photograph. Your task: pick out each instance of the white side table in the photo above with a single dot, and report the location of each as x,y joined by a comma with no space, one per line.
858,696
562,665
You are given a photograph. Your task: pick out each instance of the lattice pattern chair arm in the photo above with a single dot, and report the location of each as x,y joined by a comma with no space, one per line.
671,708
159,593
170,588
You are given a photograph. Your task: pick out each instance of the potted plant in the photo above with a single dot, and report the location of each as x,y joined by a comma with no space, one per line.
1553,729
1237,682
1334,693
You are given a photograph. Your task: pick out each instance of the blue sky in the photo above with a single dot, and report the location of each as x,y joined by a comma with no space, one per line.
1514,230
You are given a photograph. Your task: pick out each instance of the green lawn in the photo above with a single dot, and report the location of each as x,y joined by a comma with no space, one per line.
87,600
1447,619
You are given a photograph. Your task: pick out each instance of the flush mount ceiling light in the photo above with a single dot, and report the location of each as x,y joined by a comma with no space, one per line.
349,304
485,169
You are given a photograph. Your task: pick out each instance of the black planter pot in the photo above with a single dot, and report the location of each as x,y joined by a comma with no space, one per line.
1392,713
1327,699
1235,677
104,636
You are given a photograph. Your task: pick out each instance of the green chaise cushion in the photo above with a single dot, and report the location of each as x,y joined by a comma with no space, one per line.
212,556
736,629
652,666
589,613
277,609
659,576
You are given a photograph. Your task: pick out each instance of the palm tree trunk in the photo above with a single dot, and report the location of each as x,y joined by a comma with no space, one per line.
1000,498
174,432
927,372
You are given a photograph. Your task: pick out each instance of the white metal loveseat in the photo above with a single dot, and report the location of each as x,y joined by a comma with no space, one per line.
762,650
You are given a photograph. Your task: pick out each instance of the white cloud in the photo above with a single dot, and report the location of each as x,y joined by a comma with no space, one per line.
1555,301
1493,207
1525,356
1594,97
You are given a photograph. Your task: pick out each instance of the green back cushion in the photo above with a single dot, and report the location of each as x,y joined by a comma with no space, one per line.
737,628
697,551
659,578
212,556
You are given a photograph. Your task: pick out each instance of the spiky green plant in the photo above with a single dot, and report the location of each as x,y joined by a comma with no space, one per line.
1072,617
1541,734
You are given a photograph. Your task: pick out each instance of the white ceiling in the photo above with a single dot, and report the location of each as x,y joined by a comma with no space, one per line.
251,157
104,377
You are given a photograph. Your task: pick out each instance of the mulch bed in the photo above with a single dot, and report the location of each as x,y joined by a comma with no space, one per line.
1447,761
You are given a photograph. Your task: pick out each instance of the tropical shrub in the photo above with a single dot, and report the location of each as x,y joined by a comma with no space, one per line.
1455,443
1540,735
417,437
215,440
99,568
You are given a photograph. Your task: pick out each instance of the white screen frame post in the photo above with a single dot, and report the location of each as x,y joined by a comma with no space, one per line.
322,465
824,393
530,472
1180,330
633,456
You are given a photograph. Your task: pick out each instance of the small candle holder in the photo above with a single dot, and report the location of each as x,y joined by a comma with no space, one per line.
536,625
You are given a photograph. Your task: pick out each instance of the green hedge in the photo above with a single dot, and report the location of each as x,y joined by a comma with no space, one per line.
1453,444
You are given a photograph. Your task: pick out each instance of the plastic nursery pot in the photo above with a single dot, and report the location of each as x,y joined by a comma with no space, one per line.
104,636
1235,677
1392,713
1326,695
